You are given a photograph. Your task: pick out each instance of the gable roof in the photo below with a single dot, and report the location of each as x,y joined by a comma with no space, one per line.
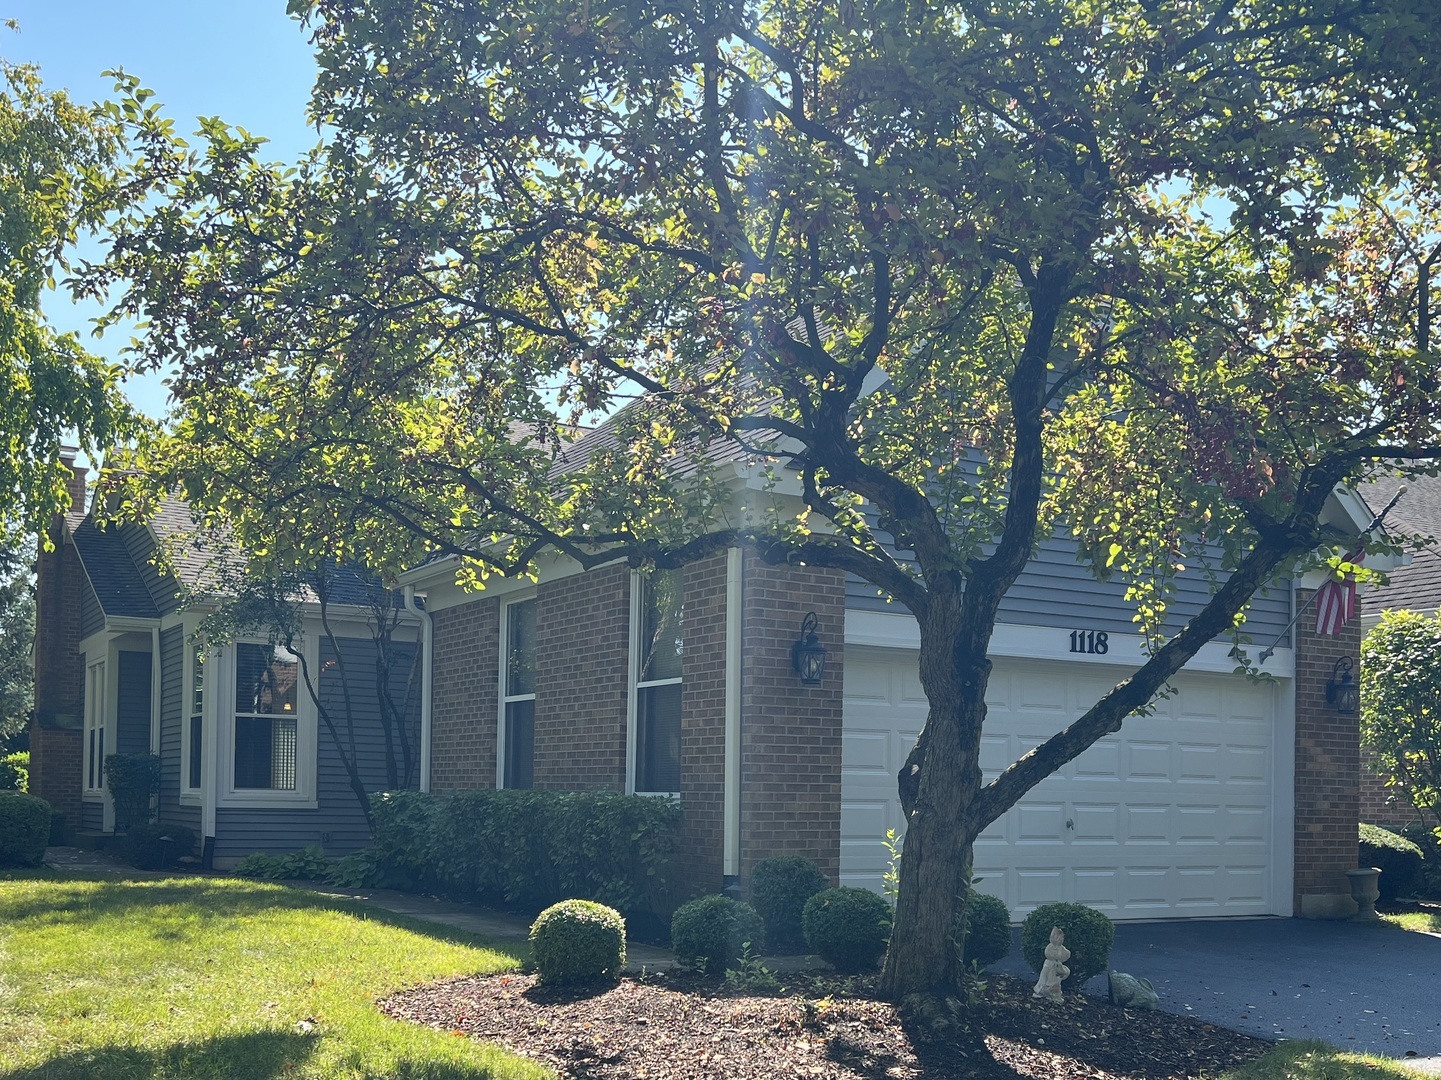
114,577
1416,585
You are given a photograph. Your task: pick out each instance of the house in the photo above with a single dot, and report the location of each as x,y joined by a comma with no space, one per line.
1414,586
246,760
1237,797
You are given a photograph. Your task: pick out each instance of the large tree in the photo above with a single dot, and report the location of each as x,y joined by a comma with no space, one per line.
1153,274
17,639
57,180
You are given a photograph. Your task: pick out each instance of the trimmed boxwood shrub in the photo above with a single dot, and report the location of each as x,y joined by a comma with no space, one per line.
578,941
712,933
1425,838
528,849
988,929
132,779
142,848
1088,935
1398,859
24,829
780,888
848,928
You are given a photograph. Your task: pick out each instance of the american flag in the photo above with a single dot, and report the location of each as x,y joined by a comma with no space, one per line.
1336,600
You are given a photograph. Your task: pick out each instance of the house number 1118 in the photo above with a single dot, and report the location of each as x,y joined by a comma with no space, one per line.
1090,641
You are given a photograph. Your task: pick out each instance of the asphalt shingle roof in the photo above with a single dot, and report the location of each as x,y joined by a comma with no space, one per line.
1418,584
117,581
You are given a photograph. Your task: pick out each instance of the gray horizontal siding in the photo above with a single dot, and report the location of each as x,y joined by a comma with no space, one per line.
1056,590
172,690
92,816
132,708
337,823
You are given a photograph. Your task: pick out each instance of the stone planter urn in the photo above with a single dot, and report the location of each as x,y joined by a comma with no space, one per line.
1365,891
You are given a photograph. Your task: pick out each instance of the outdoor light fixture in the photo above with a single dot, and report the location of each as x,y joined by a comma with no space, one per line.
808,655
1341,688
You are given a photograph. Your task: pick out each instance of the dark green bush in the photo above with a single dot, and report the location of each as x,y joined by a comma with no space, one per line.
780,888
24,829
358,870
988,929
307,864
144,846
133,779
15,771
528,849
848,928
578,941
1088,935
1398,859
59,829
1425,838
712,933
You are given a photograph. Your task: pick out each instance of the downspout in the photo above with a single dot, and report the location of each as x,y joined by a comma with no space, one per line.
427,642
731,781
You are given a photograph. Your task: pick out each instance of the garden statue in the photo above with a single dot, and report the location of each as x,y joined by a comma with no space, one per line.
1054,970
1130,992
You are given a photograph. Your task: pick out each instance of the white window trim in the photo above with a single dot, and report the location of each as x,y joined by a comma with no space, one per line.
95,719
221,691
632,723
191,796
502,700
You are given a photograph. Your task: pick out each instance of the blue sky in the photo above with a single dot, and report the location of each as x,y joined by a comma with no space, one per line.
245,61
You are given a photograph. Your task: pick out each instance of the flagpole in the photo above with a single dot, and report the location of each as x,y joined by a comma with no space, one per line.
1375,524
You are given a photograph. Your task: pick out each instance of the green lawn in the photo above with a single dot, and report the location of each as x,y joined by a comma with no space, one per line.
1428,921
210,977
1307,1060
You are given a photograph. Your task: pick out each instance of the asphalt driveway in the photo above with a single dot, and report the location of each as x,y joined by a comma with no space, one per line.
1360,986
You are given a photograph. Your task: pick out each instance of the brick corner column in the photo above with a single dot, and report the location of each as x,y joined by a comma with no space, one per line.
1328,773
791,733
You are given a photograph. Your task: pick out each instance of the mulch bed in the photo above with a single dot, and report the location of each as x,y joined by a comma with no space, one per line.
676,1027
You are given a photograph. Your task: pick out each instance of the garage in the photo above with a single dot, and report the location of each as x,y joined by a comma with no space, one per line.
1176,815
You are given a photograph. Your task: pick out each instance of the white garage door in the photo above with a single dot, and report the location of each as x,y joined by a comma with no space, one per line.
1169,817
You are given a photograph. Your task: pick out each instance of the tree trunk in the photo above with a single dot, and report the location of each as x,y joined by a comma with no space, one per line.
941,828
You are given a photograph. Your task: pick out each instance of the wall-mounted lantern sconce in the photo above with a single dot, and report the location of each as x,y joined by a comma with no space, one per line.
1341,689
808,655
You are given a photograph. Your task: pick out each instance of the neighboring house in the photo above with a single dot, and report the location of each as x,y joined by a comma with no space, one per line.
1414,586
245,761
1237,797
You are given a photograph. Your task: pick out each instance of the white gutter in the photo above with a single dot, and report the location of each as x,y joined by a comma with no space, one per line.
731,781
427,642
155,689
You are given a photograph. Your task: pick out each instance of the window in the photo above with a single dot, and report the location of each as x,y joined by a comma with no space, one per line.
194,726
517,737
95,728
265,718
658,684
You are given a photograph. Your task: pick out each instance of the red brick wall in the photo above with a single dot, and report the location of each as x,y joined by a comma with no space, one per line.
55,770
1382,804
55,755
698,865
463,701
791,734
1328,763
582,646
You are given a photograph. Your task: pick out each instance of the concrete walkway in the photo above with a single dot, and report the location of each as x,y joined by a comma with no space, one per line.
1359,986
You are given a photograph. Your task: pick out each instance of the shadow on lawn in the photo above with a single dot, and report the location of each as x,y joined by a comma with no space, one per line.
256,1056
74,902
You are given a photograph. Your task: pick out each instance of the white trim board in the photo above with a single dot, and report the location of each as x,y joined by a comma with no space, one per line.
900,631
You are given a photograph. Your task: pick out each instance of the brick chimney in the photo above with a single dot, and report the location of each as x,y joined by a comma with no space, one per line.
55,730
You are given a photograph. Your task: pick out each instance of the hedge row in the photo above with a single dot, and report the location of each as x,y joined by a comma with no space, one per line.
528,849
